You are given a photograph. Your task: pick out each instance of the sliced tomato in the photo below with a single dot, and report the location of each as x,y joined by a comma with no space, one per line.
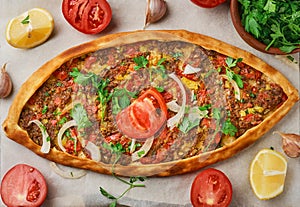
23,185
145,117
89,17
211,188
208,3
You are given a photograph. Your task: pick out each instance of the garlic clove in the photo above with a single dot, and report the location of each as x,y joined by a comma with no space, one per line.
5,83
155,10
290,144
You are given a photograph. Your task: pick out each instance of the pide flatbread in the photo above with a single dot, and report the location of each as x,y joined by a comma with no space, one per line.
148,103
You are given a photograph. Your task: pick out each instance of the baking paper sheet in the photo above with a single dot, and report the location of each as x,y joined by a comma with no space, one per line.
129,15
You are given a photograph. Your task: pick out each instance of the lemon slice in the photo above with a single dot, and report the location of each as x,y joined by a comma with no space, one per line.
267,174
30,29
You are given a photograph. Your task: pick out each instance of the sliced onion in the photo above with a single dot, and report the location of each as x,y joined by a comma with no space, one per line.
190,70
143,150
174,121
45,136
237,92
61,132
132,145
196,113
94,150
173,106
67,174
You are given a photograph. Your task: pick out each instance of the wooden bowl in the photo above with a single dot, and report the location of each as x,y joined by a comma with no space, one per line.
247,37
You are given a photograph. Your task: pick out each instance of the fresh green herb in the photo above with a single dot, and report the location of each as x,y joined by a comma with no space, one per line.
45,109
275,23
186,125
47,93
141,62
121,99
205,107
79,114
56,112
118,149
83,79
228,128
48,139
177,55
134,146
62,120
103,95
292,59
58,84
231,74
26,20
161,68
159,89
100,84
252,95
141,153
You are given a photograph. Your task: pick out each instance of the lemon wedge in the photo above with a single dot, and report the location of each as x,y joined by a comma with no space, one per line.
30,29
267,174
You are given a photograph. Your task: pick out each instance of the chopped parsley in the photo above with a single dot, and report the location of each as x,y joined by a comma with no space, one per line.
141,62
275,23
231,74
121,99
79,114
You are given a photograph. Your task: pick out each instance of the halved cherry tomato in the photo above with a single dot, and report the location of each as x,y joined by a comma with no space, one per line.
23,185
211,188
89,17
208,3
144,117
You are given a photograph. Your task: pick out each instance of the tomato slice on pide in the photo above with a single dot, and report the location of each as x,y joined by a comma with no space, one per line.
144,117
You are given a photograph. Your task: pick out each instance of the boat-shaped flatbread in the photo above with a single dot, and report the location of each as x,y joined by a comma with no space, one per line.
148,103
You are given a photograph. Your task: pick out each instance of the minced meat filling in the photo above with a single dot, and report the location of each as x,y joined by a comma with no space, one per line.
222,101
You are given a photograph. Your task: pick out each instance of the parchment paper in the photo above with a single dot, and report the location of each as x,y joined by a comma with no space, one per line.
129,15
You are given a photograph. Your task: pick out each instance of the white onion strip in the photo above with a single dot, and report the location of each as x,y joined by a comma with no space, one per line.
174,121
190,70
94,150
143,150
237,92
173,106
132,145
67,174
45,136
61,132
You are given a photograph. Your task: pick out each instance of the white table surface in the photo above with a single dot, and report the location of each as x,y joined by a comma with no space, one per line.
129,15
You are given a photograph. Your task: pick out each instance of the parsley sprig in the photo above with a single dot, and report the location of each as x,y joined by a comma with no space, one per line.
118,149
275,23
104,96
141,62
231,74
80,116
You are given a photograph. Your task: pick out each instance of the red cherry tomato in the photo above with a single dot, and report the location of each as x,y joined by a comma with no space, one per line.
208,3
89,17
211,188
144,117
23,185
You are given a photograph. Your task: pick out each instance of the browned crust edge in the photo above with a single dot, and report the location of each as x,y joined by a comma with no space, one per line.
14,132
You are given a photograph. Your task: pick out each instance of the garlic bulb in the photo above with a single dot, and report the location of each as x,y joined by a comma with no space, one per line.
5,83
290,144
156,9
